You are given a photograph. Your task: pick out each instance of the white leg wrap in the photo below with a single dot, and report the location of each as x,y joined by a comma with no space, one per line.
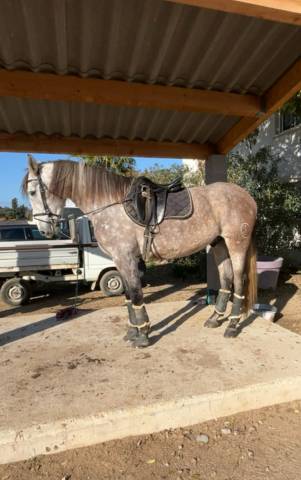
138,307
241,297
145,324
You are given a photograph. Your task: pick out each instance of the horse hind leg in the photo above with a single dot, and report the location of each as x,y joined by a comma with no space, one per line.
238,254
225,271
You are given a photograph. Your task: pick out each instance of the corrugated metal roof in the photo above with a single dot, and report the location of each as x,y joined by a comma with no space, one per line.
30,116
149,41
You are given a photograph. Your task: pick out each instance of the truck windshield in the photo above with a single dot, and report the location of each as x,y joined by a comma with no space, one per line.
12,234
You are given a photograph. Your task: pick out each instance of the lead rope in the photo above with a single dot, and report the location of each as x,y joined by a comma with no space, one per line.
76,284
67,312
78,271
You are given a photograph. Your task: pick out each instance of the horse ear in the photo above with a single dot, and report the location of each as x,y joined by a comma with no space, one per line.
33,165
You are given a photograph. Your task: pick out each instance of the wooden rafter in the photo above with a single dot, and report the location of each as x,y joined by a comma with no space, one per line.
284,11
69,88
20,142
276,96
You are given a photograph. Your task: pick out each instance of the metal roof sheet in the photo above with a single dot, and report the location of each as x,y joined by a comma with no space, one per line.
32,116
149,41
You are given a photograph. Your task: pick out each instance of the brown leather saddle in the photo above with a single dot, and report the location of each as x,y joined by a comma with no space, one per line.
148,204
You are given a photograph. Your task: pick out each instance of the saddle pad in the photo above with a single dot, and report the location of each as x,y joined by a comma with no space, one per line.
178,206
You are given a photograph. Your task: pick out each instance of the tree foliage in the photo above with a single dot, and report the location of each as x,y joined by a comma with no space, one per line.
15,212
160,174
120,165
278,203
293,106
14,204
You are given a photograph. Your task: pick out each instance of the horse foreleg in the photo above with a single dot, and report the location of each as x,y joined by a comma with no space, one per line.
225,271
132,331
139,324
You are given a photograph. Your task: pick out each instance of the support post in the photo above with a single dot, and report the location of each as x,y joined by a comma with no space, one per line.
215,171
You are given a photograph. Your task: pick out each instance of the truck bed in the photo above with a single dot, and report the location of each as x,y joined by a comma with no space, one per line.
38,255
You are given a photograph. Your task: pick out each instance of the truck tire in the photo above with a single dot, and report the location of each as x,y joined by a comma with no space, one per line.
111,284
15,292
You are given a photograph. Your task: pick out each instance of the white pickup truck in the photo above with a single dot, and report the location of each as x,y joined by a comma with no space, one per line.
26,263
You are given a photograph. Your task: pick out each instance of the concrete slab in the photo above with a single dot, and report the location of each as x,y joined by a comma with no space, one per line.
72,384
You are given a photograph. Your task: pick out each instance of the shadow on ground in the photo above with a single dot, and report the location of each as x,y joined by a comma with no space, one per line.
281,296
35,327
175,320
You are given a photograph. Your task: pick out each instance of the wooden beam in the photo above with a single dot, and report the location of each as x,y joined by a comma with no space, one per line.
275,97
20,142
284,11
69,88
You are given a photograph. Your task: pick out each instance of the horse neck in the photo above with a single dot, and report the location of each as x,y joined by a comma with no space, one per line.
87,202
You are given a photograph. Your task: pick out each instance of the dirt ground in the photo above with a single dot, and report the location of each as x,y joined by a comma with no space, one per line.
262,444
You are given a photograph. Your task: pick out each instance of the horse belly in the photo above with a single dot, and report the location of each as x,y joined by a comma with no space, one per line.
180,238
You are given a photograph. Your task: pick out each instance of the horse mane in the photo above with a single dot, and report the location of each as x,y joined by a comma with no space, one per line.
76,180
24,184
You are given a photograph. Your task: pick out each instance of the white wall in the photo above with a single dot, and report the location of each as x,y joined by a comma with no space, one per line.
192,164
286,145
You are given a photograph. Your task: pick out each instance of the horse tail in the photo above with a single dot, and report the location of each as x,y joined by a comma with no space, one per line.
251,276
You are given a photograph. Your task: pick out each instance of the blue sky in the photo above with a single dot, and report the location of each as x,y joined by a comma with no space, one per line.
14,165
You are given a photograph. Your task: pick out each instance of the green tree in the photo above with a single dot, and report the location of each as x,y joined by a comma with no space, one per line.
160,174
21,212
15,212
14,204
278,203
121,165
293,106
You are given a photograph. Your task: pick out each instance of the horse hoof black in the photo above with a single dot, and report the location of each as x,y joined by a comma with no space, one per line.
213,321
141,341
131,335
231,332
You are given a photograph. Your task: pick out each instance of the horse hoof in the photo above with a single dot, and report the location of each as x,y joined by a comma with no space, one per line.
141,341
131,334
213,321
231,332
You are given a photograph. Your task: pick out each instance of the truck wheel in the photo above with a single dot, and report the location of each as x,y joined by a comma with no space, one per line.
111,283
15,291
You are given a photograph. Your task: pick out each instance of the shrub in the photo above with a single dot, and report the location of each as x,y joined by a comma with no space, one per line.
278,203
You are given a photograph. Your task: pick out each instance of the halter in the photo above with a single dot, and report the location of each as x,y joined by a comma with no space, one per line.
54,218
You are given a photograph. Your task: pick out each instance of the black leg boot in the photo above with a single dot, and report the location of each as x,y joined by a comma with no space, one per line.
233,330
132,331
214,320
142,324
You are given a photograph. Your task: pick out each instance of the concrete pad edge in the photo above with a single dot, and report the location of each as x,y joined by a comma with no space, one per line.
71,433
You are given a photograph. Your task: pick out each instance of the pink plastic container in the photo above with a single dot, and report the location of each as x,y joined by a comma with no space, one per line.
268,269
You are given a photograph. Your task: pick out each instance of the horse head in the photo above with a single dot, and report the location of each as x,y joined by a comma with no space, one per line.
46,206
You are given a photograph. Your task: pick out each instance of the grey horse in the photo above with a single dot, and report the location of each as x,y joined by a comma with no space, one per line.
224,216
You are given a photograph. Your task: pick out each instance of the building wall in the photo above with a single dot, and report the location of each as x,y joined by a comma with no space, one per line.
191,163
286,145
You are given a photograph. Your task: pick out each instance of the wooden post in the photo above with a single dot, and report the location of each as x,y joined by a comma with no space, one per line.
215,171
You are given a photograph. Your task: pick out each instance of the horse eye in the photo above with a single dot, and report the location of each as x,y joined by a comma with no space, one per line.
32,193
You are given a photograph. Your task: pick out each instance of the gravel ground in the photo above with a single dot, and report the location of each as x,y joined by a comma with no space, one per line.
262,444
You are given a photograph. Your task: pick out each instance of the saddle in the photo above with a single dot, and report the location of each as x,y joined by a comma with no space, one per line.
148,204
